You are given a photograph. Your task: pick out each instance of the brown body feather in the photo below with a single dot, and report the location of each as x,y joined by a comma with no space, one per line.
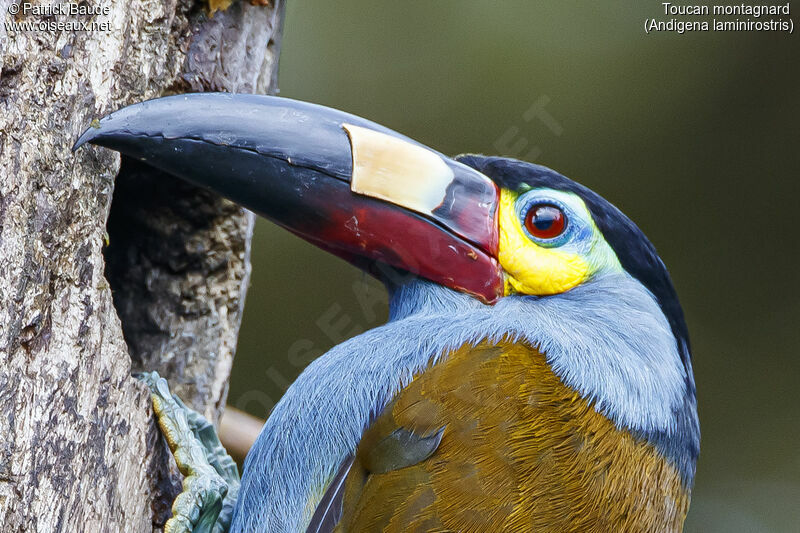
520,452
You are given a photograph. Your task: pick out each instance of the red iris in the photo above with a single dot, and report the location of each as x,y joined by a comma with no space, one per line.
545,221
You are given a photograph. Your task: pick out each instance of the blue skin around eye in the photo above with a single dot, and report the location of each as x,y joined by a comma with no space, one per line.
576,230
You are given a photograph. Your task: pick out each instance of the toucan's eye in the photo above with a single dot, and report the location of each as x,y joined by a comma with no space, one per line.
545,221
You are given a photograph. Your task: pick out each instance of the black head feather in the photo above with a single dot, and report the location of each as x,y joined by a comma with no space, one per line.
635,252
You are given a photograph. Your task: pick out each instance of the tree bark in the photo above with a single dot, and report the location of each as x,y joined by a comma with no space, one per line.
78,447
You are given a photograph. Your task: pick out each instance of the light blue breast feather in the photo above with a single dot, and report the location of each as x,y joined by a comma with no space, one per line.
607,339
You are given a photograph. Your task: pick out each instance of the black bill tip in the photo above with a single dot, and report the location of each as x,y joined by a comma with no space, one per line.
88,136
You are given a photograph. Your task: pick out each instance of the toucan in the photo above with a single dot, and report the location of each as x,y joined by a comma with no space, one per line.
535,371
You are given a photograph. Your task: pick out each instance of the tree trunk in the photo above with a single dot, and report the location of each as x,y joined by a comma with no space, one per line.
162,290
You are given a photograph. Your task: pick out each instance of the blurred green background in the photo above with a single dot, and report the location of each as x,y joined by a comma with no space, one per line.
694,136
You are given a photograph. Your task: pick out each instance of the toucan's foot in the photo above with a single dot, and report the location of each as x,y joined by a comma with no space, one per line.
211,478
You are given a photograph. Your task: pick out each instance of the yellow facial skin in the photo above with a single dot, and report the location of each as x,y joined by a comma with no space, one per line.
537,270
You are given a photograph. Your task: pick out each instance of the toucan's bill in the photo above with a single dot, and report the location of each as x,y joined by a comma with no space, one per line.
348,185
